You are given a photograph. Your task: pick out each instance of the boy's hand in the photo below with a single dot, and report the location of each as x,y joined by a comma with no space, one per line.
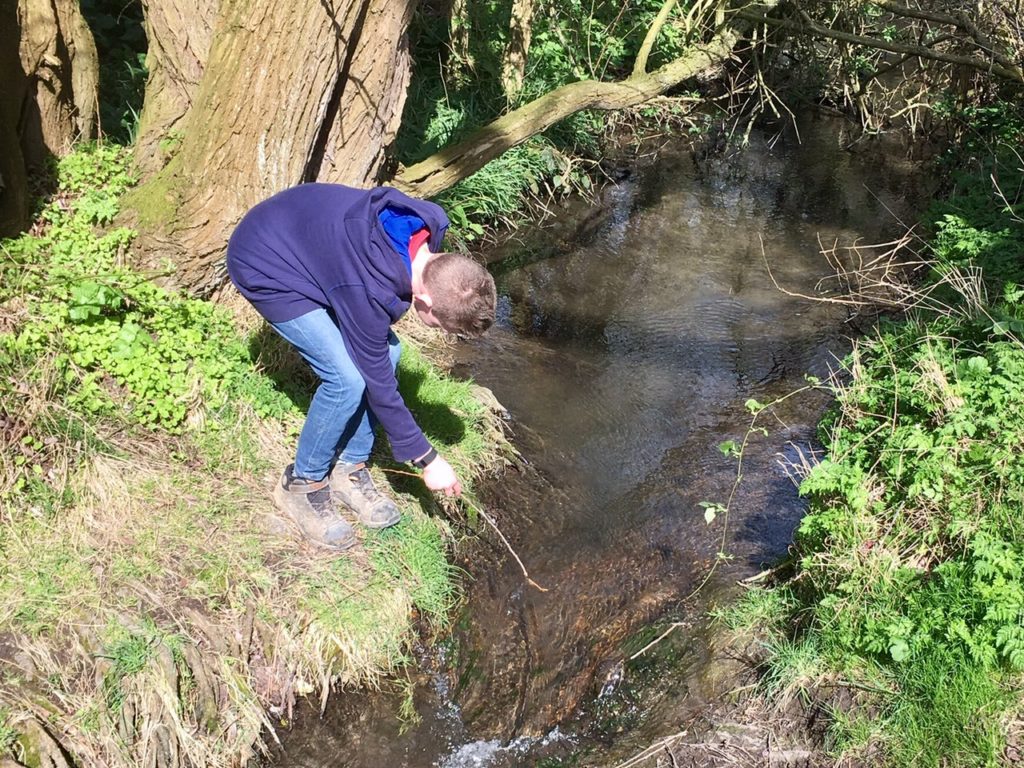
438,475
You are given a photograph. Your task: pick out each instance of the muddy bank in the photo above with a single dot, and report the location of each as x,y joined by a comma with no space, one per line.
729,722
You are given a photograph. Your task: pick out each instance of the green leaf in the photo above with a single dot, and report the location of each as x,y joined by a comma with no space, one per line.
711,511
899,650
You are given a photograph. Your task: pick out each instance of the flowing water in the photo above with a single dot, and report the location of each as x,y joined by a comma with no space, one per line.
631,333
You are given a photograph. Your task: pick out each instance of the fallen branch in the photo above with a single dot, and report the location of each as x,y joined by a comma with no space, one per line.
452,164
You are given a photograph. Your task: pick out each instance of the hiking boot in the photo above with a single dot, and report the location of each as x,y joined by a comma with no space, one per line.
353,487
310,505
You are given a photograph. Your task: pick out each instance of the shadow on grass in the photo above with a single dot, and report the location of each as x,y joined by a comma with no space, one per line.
292,375
283,365
434,416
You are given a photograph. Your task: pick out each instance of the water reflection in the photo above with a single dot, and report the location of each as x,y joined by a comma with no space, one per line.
630,335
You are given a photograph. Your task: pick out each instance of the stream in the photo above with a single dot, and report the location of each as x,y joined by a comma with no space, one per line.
631,332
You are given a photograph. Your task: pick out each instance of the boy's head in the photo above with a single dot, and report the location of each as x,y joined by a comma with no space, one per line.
461,294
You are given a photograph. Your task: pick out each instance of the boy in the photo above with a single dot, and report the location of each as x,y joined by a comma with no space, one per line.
331,268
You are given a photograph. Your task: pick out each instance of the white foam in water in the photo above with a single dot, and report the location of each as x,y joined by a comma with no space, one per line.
479,754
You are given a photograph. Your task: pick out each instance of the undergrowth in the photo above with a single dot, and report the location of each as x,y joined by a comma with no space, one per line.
118,27
908,569
455,91
148,594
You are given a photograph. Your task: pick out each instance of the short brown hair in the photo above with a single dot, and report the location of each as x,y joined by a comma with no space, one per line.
462,293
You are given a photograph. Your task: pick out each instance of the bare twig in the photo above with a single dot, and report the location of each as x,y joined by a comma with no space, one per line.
672,628
490,522
652,750
501,536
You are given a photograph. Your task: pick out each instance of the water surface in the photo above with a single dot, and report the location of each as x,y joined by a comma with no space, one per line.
631,332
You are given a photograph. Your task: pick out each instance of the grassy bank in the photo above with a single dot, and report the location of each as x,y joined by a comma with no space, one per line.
153,609
907,581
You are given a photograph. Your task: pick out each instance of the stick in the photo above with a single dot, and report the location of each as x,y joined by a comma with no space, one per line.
672,628
493,525
497,530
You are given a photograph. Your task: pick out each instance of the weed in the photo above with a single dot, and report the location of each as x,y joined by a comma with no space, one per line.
128,654
407,713
111,342
8,735
947,714
765,610
793,668
414,554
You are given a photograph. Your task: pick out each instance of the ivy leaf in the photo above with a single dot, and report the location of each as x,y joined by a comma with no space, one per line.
89,299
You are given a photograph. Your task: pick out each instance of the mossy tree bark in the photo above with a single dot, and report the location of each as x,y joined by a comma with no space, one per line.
290,92
49,98
179,34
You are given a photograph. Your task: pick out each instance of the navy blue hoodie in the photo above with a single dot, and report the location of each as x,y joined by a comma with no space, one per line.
323,245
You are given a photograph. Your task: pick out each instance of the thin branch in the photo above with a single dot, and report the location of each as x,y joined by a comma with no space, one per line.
508,546
958,21
640,64
672,628
652,750
490,522
918,51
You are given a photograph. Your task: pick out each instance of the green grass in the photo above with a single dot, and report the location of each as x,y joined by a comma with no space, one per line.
908,580
414,554
8,734
764,610
948,713
144,571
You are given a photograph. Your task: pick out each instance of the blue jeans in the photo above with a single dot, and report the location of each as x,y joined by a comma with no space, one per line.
339,425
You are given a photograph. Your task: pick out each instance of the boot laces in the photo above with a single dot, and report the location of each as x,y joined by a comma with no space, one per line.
363,482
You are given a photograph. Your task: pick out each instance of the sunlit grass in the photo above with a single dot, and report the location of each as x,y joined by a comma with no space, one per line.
151,597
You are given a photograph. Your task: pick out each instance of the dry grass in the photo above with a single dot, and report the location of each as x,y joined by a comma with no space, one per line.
155,611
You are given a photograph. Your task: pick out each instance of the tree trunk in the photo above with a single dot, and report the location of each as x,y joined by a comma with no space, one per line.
49,73
178,33
58,56
460,62
513,66
291,92
369,110
14,202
